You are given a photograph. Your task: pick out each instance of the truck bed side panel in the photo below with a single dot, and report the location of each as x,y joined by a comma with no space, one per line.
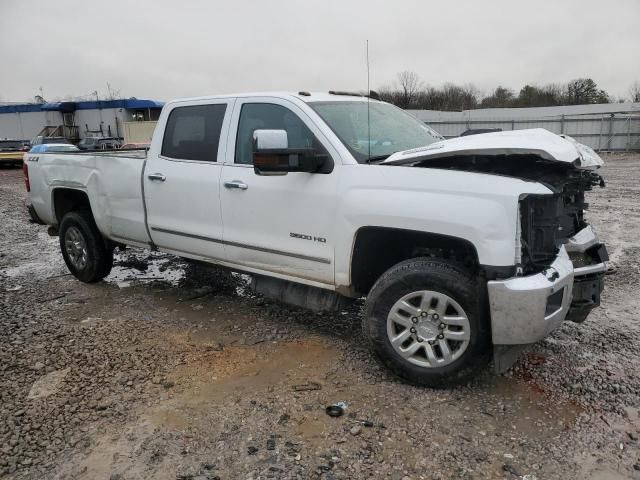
111,182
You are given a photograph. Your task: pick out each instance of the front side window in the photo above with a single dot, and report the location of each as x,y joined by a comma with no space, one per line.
268,116
193,133
374,131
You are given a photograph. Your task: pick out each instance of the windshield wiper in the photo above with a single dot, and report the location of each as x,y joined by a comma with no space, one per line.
379,158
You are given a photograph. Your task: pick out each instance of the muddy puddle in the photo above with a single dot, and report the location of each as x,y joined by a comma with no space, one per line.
223,380
45,263
522,408
134,266
237,371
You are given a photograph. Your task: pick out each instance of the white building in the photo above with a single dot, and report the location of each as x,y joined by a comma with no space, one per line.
608,126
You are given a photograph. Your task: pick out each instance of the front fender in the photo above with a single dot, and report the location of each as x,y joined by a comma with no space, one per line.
479,208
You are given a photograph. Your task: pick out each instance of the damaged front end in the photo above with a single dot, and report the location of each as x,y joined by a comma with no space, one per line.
550,221
525,309
560,263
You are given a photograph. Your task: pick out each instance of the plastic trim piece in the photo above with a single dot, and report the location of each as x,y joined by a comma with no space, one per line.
242,245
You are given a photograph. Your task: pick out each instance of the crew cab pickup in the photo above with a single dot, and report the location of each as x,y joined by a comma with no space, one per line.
461,247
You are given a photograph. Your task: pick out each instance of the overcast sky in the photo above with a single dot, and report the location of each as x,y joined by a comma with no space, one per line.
163,49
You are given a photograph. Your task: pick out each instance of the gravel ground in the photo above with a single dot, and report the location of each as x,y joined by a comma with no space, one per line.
169,370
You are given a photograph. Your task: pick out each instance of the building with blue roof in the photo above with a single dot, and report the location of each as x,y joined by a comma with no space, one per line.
77,120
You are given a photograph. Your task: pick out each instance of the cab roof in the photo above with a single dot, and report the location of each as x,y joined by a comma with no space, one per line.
307,97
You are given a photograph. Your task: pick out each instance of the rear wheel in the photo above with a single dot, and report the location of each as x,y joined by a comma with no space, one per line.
88,257
426,322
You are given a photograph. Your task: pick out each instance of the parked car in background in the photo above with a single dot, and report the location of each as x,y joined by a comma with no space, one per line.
41,139
11,151
135,146
99,143
54,147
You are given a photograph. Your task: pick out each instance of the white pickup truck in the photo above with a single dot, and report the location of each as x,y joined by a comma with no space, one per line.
462,247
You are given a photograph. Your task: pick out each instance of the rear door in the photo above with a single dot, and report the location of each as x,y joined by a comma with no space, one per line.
283,224
181,179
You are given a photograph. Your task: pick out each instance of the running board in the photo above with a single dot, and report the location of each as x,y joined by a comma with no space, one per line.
305,296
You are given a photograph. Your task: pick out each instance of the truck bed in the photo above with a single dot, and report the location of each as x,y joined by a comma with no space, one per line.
119,210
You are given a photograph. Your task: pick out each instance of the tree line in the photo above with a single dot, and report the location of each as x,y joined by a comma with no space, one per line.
410,92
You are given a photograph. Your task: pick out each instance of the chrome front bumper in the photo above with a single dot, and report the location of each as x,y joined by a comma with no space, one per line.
525,309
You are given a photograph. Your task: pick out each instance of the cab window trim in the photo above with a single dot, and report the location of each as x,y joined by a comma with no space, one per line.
221,138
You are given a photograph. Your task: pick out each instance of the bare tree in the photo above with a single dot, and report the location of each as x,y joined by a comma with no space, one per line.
114,94
634,91
410,84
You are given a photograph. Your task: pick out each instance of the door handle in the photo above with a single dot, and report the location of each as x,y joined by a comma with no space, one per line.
156,176
236,184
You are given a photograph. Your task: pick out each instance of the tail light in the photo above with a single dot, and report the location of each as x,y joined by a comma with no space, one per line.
25,171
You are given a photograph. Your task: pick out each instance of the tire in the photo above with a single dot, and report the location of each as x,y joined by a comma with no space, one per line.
448,294
88,257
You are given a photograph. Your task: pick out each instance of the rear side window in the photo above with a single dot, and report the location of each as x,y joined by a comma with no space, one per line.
193,133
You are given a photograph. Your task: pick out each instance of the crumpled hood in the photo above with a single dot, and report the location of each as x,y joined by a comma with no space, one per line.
535,141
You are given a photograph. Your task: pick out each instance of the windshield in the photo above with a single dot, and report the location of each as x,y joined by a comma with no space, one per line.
61,148
388,130
54,140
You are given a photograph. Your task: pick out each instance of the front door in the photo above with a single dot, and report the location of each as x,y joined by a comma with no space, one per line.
283,224
182,177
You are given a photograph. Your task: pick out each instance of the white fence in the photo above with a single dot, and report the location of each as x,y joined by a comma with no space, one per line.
601,131
138,132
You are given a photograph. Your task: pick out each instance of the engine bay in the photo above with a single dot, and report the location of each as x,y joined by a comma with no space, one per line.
547,221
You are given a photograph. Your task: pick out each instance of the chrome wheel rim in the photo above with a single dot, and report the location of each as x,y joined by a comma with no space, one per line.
428,329
76,247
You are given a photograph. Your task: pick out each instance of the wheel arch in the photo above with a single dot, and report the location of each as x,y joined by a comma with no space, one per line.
67,199
376,249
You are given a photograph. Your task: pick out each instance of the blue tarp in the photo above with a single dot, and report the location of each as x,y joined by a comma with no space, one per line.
27,107
59,107
129,104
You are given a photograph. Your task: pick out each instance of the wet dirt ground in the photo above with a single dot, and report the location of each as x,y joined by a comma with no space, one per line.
170,370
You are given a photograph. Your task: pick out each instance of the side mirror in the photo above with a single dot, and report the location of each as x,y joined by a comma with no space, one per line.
272,155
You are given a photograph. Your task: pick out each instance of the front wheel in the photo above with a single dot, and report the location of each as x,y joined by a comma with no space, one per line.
426,322
88,257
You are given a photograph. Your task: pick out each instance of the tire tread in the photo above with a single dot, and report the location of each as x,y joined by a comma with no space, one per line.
437,274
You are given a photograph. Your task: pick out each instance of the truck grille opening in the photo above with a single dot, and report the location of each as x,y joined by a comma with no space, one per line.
546,222
549,220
